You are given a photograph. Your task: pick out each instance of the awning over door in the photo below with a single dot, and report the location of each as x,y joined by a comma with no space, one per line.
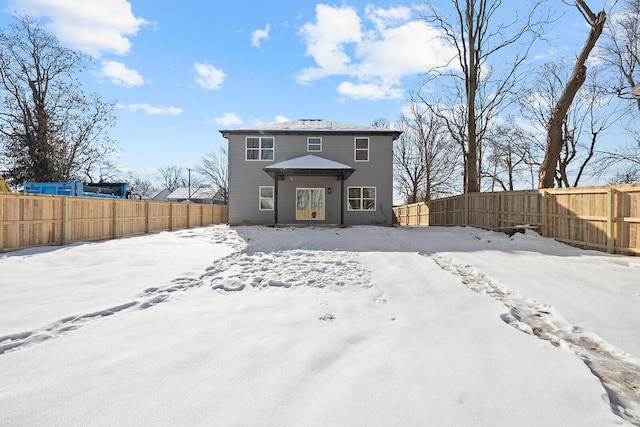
309,165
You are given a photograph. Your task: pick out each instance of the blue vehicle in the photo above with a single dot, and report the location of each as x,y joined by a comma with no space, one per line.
109,190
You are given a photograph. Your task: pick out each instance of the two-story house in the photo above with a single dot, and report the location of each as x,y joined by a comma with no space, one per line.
310,172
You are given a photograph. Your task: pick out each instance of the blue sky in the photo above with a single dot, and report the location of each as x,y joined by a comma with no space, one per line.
180,71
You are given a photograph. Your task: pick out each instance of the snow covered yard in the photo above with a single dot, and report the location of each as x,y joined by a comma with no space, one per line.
359,326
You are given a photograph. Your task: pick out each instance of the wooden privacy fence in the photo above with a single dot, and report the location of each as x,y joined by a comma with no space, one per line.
600,218
28,220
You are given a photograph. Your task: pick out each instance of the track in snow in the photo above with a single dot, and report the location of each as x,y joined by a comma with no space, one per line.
148,298
618,372
235,272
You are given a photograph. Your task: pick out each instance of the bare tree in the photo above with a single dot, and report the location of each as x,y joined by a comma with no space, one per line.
555,140
172,177
621,53
380,122
408,167
510,157
621,167
49,129
139,186
479,33
214,168
630,176
590,122
621,48
425,158
584,122
622,164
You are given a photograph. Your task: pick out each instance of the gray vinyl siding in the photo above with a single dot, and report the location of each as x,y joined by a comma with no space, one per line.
377,172
245,178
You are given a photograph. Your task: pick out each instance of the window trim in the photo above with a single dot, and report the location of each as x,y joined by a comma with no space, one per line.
261,198
356,149
362,199
308,145
324,204
259,148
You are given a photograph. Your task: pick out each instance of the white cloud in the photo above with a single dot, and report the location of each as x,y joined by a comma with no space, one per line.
410,48
149,109
326,39
385,17
374,59
208,76
370,91
258,35
94,27
228,119
120,75
281,119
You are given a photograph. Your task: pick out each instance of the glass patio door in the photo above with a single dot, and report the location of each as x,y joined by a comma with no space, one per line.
310,203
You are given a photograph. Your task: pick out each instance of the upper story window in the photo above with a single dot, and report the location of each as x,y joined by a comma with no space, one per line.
362,149
314,144
260,148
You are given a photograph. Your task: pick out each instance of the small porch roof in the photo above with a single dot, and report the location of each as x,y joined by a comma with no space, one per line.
309,165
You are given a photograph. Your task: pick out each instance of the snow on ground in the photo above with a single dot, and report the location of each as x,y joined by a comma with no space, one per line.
358,326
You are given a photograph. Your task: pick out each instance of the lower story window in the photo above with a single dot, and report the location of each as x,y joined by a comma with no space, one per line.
310,203
361,198
266,198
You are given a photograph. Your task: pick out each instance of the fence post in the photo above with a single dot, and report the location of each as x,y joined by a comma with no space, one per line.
426,216
498,210
115,218
1,227
466,209
611,211
170,216
65,220
545,214
147,214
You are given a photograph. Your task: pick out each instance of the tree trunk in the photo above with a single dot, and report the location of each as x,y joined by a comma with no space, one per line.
555,140
471,185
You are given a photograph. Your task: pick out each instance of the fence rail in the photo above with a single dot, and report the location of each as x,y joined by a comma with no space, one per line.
600,218
28,220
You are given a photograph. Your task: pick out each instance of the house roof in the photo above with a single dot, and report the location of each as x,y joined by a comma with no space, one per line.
161,195
309,126
182,193
309,165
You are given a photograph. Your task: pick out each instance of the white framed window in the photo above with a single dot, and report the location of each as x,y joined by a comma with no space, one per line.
259,147
362,149
310,203
314,144
266,199
361,198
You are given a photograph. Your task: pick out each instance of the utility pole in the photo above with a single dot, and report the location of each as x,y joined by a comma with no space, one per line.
189,199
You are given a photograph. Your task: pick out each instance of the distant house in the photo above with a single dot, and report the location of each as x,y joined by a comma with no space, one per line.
310,172
161,195
203,195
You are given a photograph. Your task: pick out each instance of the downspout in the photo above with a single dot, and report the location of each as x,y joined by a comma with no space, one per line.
341,199
275,198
